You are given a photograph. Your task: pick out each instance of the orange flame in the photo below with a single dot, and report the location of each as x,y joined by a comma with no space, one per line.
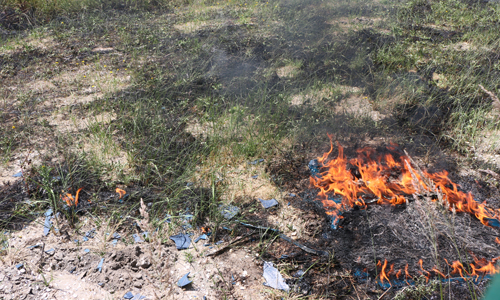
383,275
388,179
120,192
428,275
70,201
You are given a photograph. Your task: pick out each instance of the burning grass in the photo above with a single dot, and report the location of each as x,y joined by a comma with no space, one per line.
426,214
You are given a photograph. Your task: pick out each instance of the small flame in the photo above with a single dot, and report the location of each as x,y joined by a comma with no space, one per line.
120,192
428,275
70,201
383,275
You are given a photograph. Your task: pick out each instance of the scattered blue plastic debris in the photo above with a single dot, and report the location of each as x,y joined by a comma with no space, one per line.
72,270
51,251
18,174
288,203
137,238
492,222
254,162
116,236
86,250
33,247
19,266
76,241
255,176
99,266
229,211
182,241
201,237
299,273
284,256
48,223
167,218
206,245
219,242
314,167
85,239
90,233
268,203
184,281
273,277
128,295
114,242
292,195
138,297
226,228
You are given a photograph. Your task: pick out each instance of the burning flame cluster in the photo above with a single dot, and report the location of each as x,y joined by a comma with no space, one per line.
68,198
377,178
480,268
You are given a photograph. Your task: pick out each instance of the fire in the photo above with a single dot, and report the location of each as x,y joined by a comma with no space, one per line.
383,275
120,192
69,198
389,180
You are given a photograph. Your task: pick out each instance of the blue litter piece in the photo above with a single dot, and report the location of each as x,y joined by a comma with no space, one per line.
128,295
19,266
288,203
206,245
116,236
361,275
184,281
255,176
273,277
86,250
284,256
90,233
101,284
114,242
137,238
187,226
182,241
51,251
299,273
493,222
139,297
99,266
48,223
254,162
76,241
201,237
219,242
187,218
314,167
226,228
33,247
268,203
85,239
18,174
229,211
167,218
72,270
145,234
292,195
